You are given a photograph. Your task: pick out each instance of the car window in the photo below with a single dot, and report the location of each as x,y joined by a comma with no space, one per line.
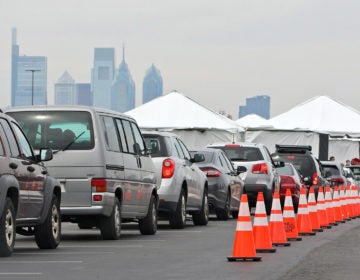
23,142
2,139
184,149
303,163
139,145
110,133
11,140
285,170
177,149
243,153
330,170
129,136
122,135
227,162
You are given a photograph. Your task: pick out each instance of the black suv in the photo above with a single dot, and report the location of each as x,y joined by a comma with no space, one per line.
29,198
304,161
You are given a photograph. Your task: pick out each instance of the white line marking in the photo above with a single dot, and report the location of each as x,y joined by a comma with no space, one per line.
65,253
21,273
17,262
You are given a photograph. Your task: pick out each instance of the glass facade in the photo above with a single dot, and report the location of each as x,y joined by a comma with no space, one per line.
152,84
65,91
83,94
259,105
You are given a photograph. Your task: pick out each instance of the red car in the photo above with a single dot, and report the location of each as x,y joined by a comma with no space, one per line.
290,179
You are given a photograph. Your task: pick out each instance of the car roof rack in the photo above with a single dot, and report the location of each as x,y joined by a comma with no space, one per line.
298,149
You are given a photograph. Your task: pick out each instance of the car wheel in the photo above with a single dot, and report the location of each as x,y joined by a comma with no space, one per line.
177,219
268,205
235,214
110,227
48,234
201,218
148,225
7,229
224,213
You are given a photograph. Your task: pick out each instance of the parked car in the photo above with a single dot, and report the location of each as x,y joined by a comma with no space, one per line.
354,180
106,174
261,172
334,173
29,197
225,184
292,180
305,162
183,187
356,171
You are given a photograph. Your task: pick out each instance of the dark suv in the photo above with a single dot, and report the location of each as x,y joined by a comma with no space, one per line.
29,198
304,161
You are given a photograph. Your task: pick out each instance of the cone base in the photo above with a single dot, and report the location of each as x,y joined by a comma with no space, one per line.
294,238
318,229
334,224
271,250
285,244
343,222
244,259
307,233
325,226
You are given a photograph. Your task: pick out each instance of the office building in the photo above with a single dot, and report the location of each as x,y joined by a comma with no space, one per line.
28,77
102,76
152,84
123,89
259,105
83,94
65,90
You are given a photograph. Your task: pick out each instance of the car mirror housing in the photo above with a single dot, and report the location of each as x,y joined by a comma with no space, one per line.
198,158
241,169
279,164
45,154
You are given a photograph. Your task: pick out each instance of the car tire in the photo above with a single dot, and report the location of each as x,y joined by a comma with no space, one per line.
177,219
224,213
268,205
235,214
48,234
201,218
148,225
110,227
7,229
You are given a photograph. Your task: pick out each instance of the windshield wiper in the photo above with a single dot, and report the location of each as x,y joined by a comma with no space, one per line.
69,145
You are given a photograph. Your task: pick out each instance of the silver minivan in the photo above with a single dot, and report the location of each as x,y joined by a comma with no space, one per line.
100,158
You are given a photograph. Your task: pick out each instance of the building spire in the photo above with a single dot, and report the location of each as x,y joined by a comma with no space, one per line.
124,52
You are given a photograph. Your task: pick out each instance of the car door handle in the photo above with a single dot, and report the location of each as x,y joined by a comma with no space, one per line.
13,165
31,169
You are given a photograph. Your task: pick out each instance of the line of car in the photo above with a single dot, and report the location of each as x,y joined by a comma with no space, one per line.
105,171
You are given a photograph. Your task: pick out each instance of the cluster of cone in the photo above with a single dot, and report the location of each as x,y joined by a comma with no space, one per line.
313,216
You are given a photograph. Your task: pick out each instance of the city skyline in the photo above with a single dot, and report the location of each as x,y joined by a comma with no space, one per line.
216,53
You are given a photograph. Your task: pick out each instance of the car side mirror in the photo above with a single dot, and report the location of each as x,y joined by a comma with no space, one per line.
45,154
279,164
241,169
198,158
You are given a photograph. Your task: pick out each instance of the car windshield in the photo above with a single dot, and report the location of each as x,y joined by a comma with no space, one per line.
242,153
330,170
58,130
156,145
285,170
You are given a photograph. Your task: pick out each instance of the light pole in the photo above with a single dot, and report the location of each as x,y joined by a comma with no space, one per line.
32,83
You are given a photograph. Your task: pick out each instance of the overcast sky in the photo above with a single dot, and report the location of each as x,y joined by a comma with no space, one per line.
216,52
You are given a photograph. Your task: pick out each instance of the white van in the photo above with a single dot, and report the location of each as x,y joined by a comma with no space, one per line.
101,161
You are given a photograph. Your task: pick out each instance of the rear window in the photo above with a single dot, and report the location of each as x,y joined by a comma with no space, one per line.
71,130
302,163
208,156
330,170
242,153
355,170
285,170
156,145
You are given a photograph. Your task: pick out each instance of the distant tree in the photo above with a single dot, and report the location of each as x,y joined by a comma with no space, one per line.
223,112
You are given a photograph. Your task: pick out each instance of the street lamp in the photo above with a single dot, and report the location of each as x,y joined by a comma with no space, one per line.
32,83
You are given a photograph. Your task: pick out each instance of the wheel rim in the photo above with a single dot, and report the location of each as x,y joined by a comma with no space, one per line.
154,216
183,209
117,219
9,228
55,221
227,205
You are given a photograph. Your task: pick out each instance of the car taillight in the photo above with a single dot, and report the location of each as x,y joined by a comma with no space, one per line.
337,180
98,185
211,172
168,168
232,146
260,168
315,179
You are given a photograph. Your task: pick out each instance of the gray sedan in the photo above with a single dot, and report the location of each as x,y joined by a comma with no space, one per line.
225,185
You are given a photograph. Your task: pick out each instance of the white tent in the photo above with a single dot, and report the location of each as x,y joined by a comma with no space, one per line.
194,123
253,120
309,122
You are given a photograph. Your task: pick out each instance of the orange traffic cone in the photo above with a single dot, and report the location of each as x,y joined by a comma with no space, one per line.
303,218
323,218
290,225
277,228
313,211
337,206
329,207
244,246
261,230
344,207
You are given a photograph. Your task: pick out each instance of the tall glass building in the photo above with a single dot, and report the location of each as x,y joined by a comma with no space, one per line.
83,94
123,89
152,84
65,90
102,76
28,77
259,105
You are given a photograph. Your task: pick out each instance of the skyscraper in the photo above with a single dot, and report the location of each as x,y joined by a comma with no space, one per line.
102,76
123,89
152,84
259,105
65,91
28,77
83,94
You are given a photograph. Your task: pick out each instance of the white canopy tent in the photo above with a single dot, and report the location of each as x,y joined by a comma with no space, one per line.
253,120
309,122
194,123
